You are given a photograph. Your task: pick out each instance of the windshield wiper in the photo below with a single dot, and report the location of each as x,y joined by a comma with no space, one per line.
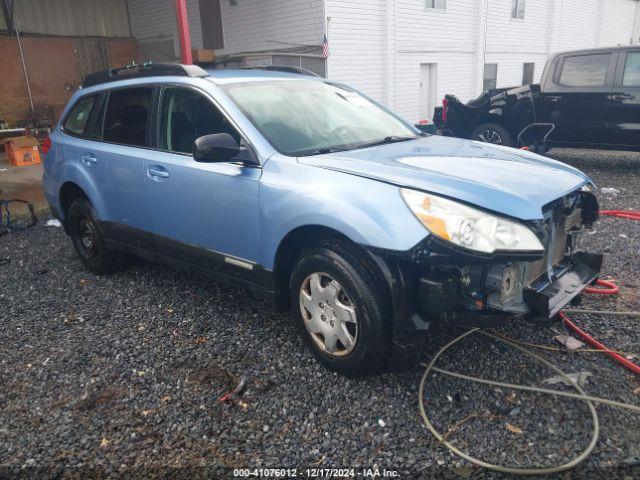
321,151
386,140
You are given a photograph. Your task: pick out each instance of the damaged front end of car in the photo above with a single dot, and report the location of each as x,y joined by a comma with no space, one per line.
442,281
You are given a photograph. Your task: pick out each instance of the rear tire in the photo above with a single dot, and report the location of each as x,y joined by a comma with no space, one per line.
88,239
355,343
492,133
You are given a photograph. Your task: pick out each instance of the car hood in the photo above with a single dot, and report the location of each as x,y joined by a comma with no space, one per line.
512,182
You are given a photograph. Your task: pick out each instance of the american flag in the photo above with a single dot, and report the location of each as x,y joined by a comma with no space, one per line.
325,47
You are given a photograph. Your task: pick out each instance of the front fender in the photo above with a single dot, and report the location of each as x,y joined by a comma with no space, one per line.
369,212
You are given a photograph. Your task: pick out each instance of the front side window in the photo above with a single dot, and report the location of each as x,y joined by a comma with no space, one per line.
517,9
127,117
186,115
490,79
632,70
442,4
309,117
78,118
585,70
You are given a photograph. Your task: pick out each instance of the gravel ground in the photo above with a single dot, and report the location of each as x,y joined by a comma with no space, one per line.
121,374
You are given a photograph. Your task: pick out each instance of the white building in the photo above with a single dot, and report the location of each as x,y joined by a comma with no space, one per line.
404,53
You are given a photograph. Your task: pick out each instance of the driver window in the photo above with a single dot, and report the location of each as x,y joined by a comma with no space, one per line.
186,115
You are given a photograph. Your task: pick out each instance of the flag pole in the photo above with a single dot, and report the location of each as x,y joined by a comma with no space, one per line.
326,60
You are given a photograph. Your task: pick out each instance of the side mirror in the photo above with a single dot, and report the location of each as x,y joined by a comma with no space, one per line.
217,147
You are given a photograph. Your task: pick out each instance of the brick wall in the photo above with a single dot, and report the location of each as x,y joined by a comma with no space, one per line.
54,66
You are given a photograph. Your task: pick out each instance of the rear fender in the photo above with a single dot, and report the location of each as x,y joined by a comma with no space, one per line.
70,173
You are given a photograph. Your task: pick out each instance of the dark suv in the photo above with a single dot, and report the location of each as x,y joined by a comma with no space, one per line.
586,98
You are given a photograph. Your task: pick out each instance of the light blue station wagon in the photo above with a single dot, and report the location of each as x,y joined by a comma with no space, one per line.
312,194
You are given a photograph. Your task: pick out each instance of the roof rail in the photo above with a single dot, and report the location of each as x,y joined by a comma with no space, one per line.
285,68
145,70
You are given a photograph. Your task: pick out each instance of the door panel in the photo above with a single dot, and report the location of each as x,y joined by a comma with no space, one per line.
115,172
577,98
624,112
124,146
202,212
213,206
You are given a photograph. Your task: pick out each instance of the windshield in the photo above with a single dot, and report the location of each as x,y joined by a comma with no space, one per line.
311,117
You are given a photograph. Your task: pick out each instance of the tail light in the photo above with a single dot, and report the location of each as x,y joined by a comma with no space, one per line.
46,145
445,104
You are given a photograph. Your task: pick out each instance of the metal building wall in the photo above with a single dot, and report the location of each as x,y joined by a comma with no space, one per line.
100,18
154,25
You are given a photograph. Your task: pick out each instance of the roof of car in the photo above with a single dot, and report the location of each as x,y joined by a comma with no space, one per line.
598,50
251,75
170,71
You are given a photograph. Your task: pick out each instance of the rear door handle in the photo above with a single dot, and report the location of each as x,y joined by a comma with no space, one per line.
157,173
553,98
620,97
89,160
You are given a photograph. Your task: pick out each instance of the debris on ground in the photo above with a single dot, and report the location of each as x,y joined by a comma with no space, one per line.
580,378
513,429
569,342
609,191
231,395
54,222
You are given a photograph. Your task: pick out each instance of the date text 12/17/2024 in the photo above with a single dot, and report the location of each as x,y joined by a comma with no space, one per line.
315,473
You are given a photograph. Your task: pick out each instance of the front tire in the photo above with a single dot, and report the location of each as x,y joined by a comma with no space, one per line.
492,133
340,309
88,239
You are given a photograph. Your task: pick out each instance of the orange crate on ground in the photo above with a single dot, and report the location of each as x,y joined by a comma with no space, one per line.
22,151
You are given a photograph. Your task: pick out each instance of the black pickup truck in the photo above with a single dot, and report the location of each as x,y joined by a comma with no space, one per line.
586,99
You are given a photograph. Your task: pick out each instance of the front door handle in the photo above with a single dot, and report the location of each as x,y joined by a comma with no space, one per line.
553,98
89,160
621,97
157,173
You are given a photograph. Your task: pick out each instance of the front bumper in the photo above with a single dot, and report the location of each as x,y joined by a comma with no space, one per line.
436,282
583,271
481,295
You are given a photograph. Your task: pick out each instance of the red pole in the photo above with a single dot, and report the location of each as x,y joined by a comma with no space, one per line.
183,32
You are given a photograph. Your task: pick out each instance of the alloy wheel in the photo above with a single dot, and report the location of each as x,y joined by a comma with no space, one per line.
489,136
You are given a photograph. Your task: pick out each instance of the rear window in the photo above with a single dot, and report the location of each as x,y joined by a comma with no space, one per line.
585,70
128,115
78,118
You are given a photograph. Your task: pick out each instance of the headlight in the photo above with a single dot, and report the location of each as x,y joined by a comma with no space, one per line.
468,227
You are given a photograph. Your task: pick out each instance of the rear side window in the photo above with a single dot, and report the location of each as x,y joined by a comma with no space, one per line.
78,119
585,70
128,115
632,70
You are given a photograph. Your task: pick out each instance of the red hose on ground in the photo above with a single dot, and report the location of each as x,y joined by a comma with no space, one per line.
592,341
610,289
629,214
